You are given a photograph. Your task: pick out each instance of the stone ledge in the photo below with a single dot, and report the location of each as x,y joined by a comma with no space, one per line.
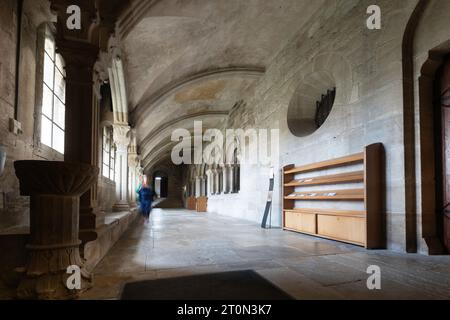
116,223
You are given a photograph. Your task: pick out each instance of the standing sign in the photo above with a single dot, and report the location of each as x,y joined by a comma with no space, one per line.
268,209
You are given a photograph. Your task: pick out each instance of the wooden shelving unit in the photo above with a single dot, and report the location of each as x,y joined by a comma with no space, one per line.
364,228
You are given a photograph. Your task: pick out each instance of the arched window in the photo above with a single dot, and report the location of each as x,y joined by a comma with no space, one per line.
109,153
52,113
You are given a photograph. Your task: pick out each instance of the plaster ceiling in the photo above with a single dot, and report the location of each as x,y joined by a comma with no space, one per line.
186,58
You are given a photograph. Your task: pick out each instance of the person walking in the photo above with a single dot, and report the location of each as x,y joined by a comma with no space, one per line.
145,198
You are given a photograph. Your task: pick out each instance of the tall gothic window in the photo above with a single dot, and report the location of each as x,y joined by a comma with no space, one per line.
109,154
53,96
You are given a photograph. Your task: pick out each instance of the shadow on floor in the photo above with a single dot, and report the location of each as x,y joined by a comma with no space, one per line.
238,285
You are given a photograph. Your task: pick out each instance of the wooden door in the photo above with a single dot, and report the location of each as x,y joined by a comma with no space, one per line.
445,116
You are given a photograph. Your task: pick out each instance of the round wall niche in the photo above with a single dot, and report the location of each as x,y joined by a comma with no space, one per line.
328,85
311,103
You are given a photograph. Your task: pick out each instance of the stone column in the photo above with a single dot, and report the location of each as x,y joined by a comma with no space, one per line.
121,140
226,185
215,181
193,190
219,181
133,177
203,183
55,189
231,176
198,187
208,183
82,121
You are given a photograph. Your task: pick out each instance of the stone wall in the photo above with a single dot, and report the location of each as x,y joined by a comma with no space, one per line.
14,210
366,66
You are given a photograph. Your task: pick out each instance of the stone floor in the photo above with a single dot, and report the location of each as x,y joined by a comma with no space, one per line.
181,242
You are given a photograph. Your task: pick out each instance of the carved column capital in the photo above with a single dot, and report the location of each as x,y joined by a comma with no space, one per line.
121,137
133,160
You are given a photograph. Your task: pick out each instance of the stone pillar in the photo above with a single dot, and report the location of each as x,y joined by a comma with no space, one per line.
215,181
203,183
55,189
122,140
226,185
231,176
198,187
219,181
208,183
193,191
135,171
82,121
133,177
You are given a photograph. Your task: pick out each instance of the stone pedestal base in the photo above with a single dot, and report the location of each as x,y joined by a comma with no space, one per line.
50,283
53,250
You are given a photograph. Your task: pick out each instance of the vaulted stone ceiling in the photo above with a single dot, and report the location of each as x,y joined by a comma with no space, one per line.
193,59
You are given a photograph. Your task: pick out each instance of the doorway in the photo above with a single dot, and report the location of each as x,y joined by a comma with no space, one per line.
161,184
443,152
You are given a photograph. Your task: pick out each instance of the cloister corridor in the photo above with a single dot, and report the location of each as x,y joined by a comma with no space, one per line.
179,242
329,120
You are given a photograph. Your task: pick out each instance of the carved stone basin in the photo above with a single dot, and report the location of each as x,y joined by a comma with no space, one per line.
55,189
53,177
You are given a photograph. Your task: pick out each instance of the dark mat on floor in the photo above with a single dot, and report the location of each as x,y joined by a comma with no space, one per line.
236,285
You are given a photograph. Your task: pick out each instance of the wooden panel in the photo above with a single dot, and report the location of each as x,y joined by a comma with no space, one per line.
374,197
349,177
346,194
202,204
303,222
191,203
356,158
343,228
332,212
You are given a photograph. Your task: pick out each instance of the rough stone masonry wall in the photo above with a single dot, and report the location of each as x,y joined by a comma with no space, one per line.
367,69
14,209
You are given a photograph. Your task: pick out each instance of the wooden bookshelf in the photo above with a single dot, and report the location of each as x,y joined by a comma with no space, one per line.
364,228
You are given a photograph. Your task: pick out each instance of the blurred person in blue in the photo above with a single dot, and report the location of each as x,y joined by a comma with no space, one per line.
145,199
